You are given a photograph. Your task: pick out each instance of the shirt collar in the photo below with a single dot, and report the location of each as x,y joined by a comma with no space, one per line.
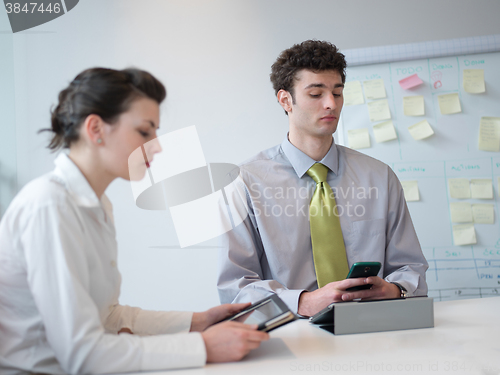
75,182
302,162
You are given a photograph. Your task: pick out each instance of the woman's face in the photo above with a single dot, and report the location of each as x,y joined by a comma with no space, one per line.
131,142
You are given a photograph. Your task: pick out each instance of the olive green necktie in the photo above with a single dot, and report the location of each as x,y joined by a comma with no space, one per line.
330,260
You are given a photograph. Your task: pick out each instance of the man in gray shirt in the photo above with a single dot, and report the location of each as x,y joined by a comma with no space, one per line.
271,250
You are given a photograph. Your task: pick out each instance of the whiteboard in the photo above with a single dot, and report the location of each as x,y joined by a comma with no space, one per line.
466,271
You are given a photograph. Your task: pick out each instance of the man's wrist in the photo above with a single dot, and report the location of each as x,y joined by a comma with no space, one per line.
403,293
302,305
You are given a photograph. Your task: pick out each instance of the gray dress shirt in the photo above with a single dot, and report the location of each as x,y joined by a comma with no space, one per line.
271,252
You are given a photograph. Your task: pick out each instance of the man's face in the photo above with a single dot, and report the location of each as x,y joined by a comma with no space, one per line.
318,103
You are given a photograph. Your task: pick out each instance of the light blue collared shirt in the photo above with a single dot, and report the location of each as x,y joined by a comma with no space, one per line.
271,251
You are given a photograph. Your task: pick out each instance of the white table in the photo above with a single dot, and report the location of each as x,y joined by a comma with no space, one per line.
465,340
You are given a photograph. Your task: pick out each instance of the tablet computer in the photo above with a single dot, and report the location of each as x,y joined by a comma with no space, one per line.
324,317
268,313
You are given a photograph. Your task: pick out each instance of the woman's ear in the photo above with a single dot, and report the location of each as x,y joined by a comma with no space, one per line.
285,99
92,129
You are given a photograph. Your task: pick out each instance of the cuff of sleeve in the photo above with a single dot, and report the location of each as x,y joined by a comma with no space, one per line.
291,298
173,351
408,286
161,322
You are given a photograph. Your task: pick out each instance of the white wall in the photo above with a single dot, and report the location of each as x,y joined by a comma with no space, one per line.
8,160
214,57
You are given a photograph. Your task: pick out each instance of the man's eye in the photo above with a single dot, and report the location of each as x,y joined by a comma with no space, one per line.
315,95
144,134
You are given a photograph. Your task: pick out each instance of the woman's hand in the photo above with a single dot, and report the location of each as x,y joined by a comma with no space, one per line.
231,341
201,321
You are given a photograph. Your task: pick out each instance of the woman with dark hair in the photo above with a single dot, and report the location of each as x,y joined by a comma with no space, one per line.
59,284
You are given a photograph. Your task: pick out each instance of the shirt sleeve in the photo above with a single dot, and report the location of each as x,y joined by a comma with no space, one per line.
241,278
147,322
58,277
404,261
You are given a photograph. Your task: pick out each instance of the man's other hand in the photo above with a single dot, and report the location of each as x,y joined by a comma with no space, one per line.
311,303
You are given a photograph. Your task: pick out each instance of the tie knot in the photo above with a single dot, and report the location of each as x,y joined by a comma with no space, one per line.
318,172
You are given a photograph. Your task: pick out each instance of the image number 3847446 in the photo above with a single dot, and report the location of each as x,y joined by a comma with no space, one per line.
26,14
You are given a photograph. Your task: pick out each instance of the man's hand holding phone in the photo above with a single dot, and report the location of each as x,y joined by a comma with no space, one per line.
349,289
380,289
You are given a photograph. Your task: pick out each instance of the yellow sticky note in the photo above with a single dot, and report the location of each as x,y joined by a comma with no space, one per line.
384,132
353,93
379,110
459,188
461,212
464,234
489,134
410,189
483,213
358,138
481,188
449,104
421,130
375,89
474,81
414,105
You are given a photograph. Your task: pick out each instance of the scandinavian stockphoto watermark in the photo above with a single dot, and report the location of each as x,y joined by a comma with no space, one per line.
25,14
397,367
292,201
358,366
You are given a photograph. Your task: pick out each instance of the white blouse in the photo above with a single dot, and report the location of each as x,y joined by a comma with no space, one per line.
59,289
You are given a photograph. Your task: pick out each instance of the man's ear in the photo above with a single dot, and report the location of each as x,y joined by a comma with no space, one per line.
285,99
92,129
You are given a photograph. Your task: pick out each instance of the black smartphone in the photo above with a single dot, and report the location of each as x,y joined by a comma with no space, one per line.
363,269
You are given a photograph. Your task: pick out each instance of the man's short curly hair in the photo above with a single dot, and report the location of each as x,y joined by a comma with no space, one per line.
313,55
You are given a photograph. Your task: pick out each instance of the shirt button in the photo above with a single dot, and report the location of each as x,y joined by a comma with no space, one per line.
113,263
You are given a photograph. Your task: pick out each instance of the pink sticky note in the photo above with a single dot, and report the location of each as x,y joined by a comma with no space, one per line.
411,81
